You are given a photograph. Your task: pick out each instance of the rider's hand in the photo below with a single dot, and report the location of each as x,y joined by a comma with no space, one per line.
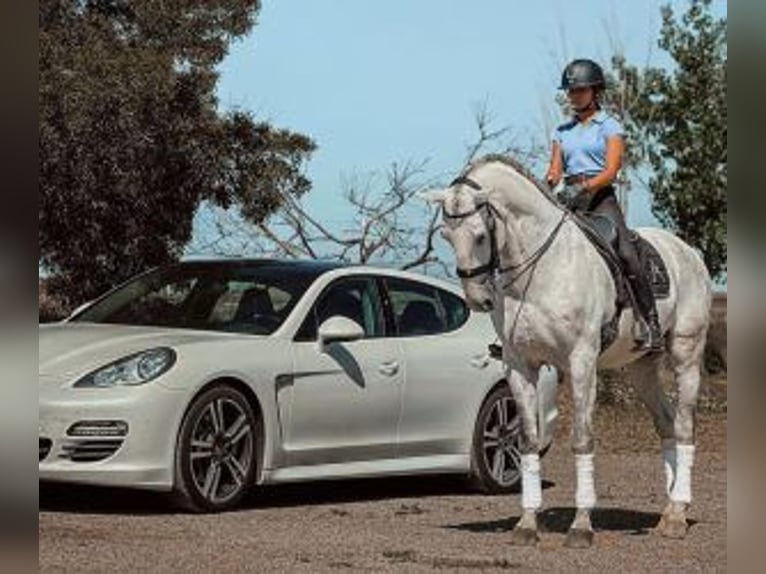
575,196
552,178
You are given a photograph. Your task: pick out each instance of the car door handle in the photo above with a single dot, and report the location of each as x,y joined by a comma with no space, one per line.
389,368
481,361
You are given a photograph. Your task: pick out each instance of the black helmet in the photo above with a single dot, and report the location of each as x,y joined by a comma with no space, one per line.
581,74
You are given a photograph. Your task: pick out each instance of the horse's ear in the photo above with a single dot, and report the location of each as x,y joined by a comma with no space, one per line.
433,195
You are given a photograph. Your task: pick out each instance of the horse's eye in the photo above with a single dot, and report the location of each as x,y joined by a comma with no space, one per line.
480,239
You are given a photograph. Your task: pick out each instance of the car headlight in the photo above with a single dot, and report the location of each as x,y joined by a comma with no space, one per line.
134,369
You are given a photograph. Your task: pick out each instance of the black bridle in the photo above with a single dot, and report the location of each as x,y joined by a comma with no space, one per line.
494,259
493,265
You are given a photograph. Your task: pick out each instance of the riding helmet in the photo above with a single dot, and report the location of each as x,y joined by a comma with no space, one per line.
582,73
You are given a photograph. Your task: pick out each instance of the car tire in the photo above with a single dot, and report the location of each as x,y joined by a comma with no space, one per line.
217,451
488,474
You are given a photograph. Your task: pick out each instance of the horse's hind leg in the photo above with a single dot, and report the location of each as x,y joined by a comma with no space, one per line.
644,377
523,383
686,353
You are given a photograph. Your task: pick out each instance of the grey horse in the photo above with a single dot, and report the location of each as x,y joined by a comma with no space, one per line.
522,258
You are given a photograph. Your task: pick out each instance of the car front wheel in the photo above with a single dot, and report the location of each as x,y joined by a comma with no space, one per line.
216,453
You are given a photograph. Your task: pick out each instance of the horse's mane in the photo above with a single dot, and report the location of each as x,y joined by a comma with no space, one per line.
514,164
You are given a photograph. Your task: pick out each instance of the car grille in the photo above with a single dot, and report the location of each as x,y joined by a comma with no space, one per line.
45,448
89,450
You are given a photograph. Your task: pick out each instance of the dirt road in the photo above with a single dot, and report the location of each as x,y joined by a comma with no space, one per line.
413,524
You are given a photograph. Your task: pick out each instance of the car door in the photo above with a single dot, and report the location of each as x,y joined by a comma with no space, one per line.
448,367
346,398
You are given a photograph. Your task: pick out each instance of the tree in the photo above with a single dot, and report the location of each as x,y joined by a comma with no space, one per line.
677,120
131,140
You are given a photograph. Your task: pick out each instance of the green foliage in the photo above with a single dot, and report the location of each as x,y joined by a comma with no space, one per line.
132,142
677,121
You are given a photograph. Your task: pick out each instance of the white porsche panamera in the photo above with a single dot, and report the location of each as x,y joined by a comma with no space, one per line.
206,378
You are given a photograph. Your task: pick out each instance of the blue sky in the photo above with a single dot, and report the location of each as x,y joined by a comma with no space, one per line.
376,82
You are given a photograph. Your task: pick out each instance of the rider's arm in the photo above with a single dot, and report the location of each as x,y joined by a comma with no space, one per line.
615,147
556,166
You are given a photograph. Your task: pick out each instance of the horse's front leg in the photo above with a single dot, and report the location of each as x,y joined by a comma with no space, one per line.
583,379
523,383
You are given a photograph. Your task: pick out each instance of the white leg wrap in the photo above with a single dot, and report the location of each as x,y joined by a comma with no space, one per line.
585,497
531,486
682,488
669,461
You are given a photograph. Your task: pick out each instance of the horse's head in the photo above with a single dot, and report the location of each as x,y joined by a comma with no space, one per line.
470,228
495,208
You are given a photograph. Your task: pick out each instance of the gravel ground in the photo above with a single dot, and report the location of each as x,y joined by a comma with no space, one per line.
407,524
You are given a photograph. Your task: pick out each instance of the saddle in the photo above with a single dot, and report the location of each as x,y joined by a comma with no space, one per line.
602,233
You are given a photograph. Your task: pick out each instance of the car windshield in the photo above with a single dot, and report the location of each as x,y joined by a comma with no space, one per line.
231,298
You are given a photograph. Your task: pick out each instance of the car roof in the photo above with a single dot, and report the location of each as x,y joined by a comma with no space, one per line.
311,268
315,266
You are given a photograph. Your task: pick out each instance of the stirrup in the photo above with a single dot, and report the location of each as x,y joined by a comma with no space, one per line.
654,346
644,341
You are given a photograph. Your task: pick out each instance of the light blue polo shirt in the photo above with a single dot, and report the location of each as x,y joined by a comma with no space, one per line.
583,145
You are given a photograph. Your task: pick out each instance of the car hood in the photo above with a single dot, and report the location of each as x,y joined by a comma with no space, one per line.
67,349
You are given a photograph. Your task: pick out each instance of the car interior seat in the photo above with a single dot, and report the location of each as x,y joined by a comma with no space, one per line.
254,302
418,318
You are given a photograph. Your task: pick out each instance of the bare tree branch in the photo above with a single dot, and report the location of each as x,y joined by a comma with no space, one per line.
483,120
383,212
426,255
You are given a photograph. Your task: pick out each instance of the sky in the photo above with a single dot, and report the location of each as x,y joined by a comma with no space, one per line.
377,82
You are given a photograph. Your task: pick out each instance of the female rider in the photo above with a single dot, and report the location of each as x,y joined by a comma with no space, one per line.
587,153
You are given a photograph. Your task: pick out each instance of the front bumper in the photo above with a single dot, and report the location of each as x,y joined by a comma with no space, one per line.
143,458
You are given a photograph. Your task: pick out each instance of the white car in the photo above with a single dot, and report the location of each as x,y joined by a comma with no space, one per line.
204,378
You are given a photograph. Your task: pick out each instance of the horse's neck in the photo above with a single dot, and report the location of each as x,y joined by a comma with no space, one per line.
561,266
529,219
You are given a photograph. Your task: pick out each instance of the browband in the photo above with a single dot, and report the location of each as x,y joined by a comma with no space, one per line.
465,180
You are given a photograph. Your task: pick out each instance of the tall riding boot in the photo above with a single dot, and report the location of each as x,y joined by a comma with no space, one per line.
646,306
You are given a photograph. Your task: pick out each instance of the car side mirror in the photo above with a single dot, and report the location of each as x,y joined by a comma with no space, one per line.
338,329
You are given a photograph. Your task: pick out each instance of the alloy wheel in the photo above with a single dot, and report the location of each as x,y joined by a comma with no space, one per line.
221,450
501,442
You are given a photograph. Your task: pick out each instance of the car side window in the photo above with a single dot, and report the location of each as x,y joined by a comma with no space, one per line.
455,309
420,309
356,298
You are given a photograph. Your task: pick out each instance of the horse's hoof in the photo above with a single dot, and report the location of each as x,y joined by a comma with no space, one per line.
673,527
579,538
524,537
